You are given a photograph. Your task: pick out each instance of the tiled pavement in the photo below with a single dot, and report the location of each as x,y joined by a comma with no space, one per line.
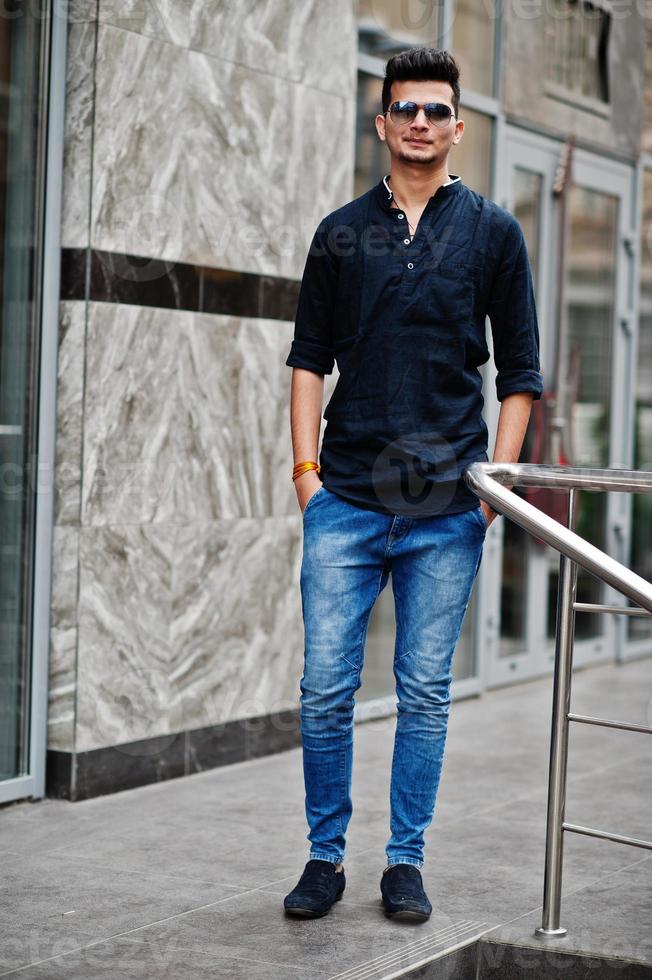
185,879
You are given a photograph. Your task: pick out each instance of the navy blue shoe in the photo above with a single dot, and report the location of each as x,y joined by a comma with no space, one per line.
318,887
403,894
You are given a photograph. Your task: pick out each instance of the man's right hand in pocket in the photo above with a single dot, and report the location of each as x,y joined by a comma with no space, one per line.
306,485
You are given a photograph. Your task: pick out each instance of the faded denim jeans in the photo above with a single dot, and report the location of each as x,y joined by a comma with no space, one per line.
348,553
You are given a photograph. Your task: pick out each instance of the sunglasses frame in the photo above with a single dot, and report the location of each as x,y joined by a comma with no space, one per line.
420,105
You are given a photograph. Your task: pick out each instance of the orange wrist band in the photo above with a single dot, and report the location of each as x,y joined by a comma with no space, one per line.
300,468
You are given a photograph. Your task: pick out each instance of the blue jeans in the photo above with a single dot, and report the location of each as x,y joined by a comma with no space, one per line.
348,553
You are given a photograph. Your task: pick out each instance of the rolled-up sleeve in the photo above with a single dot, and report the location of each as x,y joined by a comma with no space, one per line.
312,346
513,317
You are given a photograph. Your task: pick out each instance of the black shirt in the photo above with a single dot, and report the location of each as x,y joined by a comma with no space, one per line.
405,320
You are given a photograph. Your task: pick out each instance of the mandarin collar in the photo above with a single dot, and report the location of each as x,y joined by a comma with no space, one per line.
384,194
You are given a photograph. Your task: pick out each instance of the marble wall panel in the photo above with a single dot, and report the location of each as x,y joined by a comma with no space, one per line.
236,631
187,615
217,134
62,689
62,663
78,131
78,11
70,388
65,538
130,423
233,168
307,42
123,690
182,627
65,562
186,417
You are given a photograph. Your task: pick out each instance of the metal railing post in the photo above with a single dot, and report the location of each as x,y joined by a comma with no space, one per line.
564,635
486,480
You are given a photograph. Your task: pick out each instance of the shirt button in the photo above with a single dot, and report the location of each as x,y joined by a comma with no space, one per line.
406,241
410,265
401,216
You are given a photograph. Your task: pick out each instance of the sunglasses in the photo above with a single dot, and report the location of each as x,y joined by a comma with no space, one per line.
437,113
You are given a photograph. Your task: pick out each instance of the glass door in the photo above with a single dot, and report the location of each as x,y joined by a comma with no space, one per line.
23,66
638,630
580,269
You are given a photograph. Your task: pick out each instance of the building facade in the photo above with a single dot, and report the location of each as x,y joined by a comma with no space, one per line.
164,170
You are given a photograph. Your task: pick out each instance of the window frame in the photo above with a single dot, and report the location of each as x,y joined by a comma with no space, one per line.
574,97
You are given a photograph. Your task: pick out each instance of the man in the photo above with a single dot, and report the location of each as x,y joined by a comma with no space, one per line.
396,288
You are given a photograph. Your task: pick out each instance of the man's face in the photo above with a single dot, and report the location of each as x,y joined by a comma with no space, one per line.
419,141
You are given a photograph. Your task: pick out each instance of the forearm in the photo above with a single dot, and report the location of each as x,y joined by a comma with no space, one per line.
306,401
512,425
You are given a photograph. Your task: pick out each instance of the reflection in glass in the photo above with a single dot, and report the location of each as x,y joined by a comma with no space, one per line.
646,134
386,27
464,664
576,47
527,210
474,28
471,157
372,159
590,306
641,538
19,116
517,544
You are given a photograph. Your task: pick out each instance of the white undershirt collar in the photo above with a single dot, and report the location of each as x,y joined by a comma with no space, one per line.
390,195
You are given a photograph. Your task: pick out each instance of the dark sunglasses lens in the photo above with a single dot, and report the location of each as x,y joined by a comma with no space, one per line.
403,111
437,112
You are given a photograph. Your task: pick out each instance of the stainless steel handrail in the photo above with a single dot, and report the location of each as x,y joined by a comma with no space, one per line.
487,480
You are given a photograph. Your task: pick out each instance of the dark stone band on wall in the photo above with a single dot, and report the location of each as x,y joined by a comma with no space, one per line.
113,277
84,775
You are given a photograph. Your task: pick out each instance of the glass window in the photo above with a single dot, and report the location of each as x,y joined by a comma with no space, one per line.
471,157
641,547
474,27
518,545
589,302
647,93
388,26
372,159
20,115
576,47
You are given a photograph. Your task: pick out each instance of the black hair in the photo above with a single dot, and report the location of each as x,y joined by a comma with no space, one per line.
422,64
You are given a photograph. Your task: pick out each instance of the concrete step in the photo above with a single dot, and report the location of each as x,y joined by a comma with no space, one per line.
485,959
